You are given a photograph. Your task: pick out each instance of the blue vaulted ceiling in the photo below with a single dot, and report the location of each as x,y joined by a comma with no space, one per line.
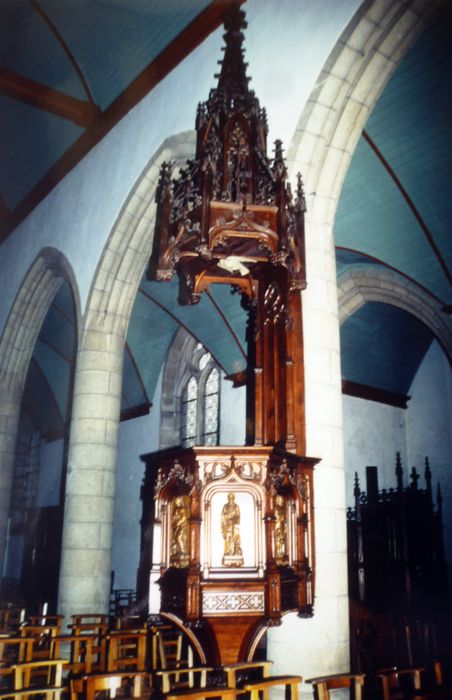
90,50
395,209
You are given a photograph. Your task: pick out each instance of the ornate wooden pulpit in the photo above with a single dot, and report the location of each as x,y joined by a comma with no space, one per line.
232,527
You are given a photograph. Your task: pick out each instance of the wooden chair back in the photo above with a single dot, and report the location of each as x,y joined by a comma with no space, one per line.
394,681
91,619
15,650
82,658
127,649
98,632
169,649
244,669
46,620
181,678
262,688
50,673
323,684
86,687
42,637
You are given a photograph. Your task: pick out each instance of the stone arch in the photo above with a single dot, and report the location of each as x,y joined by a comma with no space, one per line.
347,89
17,342
127,250
356,287
90,486
28,311
327,133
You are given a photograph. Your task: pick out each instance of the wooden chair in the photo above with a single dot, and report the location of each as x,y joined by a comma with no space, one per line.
261,689
15,650
42,639
396,683
235,672
199,693
11,619
81,655
43,693
180,679
323,684
46,620
86,687
169,645
97,627
51,670
127,650
433,685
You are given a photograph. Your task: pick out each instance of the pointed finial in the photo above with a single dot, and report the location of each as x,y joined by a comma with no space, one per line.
279,166
439,501
357,494
232,79
399,472
300,200
428,477
414,476
356,490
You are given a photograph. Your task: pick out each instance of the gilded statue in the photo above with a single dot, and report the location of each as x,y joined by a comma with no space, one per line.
281,556
230,522
179,533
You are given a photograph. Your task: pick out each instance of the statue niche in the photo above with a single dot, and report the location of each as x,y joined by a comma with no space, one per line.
233,535
180,508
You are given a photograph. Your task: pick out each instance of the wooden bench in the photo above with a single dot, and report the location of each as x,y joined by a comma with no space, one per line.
323,684
258,689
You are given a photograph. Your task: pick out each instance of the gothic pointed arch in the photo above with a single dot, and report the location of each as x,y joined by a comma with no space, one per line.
190,380
25,319
356,287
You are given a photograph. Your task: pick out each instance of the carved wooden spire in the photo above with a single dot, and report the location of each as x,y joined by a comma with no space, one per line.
229,218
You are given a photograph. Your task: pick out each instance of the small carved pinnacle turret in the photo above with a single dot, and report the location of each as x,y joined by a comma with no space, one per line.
399,472
428,477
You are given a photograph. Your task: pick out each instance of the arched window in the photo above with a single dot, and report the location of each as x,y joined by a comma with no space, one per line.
191,387
210,407
200,400
189,413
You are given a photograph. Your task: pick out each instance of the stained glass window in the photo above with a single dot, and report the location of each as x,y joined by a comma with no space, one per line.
190,413
211,405
201,401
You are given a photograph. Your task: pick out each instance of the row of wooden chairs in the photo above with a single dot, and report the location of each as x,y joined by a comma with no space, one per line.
414,683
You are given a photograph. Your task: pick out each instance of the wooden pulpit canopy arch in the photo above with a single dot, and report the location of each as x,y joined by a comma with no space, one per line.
232,527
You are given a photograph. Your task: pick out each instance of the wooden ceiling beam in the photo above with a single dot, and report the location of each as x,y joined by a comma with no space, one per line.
21,88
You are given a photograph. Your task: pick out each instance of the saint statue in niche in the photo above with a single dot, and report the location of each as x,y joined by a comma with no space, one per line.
230,521
281,556
179,533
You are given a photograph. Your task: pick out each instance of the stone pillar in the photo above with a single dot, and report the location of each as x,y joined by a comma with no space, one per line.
10,393
320,645
90,487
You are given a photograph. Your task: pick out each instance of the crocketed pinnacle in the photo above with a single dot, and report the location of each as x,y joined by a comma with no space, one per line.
233,80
